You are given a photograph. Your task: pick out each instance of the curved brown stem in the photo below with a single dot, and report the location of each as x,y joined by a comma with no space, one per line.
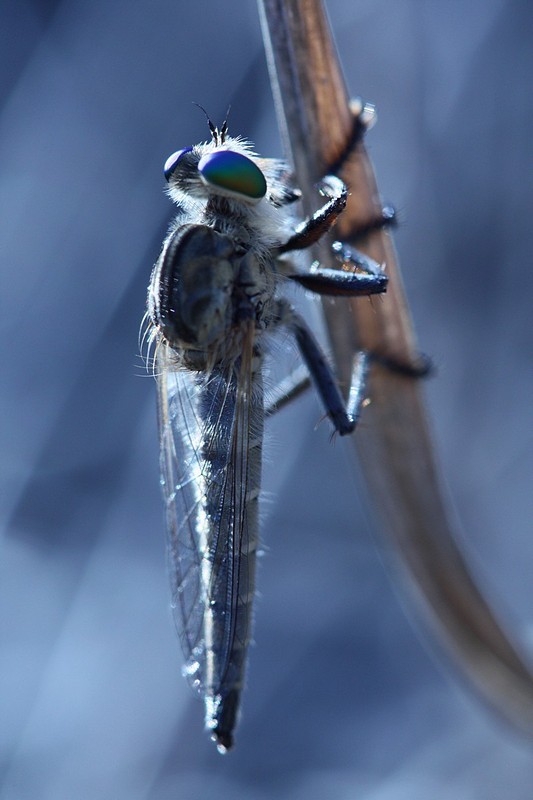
394,446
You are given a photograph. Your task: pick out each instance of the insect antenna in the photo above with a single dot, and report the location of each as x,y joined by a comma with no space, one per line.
224,128
214,131
219,136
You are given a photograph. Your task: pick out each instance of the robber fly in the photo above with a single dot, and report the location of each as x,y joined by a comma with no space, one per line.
214,298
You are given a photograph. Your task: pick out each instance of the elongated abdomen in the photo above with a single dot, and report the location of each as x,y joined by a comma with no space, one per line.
211,428
231,508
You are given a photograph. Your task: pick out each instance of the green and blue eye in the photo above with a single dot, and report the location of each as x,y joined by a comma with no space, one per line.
172,161
234,174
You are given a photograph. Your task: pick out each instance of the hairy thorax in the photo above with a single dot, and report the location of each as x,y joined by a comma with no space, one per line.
207,288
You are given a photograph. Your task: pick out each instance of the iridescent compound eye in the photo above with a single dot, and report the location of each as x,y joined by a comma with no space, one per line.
234,174
172,161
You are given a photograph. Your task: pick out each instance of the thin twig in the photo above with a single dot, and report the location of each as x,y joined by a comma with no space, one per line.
394,445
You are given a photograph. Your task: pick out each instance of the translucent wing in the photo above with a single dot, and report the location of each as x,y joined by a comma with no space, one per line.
211,436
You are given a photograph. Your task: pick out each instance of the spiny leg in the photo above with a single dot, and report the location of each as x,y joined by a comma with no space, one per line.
343,416
312,229
363,118
317,371
299,381
357,275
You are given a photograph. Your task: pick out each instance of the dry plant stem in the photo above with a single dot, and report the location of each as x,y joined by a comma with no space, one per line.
393,444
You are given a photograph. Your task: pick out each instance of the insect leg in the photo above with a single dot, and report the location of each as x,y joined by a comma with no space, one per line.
311,230
421,367
357,275
317,370
386,219
343,415
288,390
364,117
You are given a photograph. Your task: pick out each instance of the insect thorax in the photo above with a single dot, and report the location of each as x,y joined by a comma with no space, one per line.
206,288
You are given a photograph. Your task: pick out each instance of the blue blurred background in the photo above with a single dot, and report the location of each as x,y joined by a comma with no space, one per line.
346,697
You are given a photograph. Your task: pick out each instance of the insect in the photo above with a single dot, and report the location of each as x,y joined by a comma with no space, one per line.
214,299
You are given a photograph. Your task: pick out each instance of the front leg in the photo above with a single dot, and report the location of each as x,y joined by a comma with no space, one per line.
312,229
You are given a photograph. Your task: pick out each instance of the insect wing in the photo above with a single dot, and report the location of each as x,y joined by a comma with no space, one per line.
210,466
181,484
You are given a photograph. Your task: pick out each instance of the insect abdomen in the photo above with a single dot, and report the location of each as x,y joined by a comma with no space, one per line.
231,511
